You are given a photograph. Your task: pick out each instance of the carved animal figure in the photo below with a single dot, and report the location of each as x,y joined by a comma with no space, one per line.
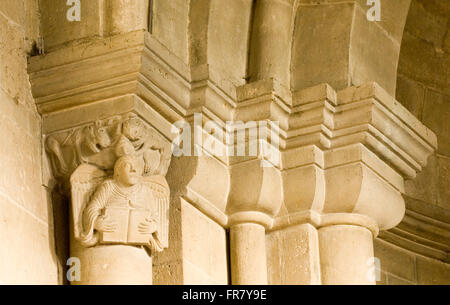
155,152
80,144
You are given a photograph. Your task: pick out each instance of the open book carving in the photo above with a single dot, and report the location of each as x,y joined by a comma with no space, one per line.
127,208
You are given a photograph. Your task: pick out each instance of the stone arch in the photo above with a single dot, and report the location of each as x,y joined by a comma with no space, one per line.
334,42
271,40
302,43
228,40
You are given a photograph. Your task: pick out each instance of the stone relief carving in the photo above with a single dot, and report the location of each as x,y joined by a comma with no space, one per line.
128,208
96,143
69,149
117,171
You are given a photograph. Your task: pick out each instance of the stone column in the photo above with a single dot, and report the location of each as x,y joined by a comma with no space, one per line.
346,253
113,265
349,183
119,198
248,254
85,126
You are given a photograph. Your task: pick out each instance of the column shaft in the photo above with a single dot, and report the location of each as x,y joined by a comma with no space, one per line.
346,255
113,265
248,254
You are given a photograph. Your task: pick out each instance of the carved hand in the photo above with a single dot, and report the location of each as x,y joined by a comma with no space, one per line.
103,224
147,227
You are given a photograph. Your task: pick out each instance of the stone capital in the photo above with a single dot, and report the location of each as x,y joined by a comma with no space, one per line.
343,158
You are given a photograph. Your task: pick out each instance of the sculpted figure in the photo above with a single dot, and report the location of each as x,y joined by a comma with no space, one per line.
77,145
127,208
96,144
155,154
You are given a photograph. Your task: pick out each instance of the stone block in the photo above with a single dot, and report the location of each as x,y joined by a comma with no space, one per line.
313,60
395,280
27,252
420,61
410,94
269,41
169,273
57,29
424,187
193,275
204,246
14,9
299,248
32,21
432,272
425,24
13,76
228,36
273,258
443,191
393,16
393,13
373,54
129,15
436,115
170,22
395,260
346,255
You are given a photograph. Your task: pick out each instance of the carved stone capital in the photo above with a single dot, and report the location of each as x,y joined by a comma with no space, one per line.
343,156
99,143
358,141
117,169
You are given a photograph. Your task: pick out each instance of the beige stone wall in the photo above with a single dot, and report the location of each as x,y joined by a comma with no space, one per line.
423,87
402,267
198,245
27,252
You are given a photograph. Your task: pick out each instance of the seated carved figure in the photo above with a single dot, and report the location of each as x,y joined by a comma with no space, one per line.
126,209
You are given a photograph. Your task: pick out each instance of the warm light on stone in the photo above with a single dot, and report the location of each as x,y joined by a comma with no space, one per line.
225,142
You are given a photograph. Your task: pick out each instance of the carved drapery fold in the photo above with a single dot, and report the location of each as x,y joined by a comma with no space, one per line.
119,193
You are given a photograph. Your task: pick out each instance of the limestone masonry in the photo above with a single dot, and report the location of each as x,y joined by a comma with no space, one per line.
225,142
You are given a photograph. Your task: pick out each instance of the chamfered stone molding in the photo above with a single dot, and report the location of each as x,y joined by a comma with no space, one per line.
424,230
339,152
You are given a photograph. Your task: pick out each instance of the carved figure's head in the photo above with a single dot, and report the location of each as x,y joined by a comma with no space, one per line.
128,170
124,147
133,129
99,137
